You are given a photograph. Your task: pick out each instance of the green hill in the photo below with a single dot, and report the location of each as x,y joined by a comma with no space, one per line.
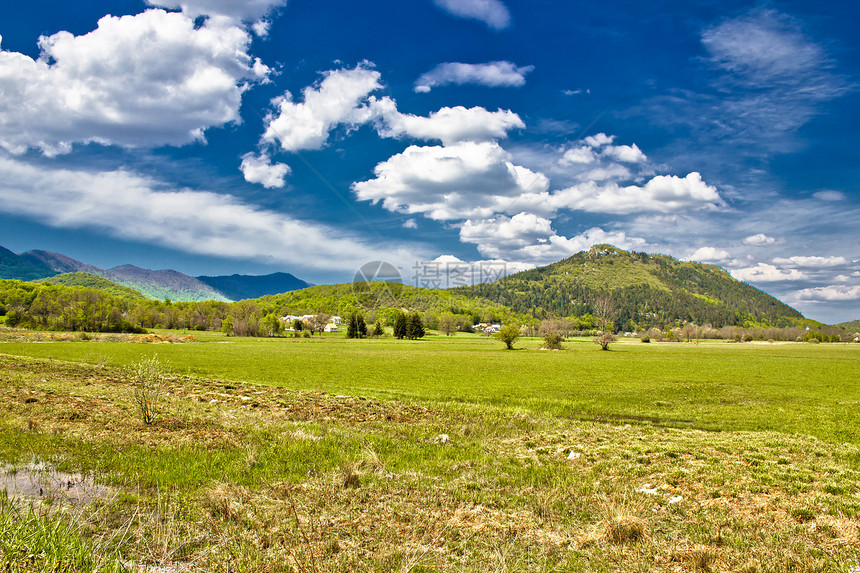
853,326
342,299
88,280
646,289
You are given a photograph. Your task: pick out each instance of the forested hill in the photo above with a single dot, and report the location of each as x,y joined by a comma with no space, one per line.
645,288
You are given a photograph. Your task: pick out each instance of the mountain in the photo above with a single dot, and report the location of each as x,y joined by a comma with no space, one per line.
645,289
163,284
179,287
853,326
241,287
16,267
60,263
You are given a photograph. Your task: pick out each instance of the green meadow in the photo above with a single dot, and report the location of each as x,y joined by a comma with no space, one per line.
790,388
443,454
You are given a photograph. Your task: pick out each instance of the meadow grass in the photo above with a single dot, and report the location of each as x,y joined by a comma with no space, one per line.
792,388
449,454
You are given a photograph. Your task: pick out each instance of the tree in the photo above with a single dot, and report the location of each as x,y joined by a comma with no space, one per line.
448,324
605,312
271,325
378,328
356,327
508,334
414,326
400,326
297,324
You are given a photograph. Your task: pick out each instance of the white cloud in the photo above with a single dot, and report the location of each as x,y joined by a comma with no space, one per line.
709,255
410,224
247,10
828,293
338,99
663,193
625,153
259,169
492,74
446,271
452,182
812,262
145,80
759,240
492,12
449,124
578,155
530,239
767,273
599,140
829,195
501,234
763,47
133,207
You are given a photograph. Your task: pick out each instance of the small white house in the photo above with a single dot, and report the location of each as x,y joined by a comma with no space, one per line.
330,328
336,320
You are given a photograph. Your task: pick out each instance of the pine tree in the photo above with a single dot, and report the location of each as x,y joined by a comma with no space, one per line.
400,326
356,328
378,328
414,326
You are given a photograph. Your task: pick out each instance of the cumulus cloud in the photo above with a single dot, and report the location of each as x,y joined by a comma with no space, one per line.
625,153
709,255
259,169
338,99
449,124
828,293
531,239
133,207
455,182
598,140
812,262
663,193
247,10
492,74
492,12
447,271
759,240
767,273
144,80
578,155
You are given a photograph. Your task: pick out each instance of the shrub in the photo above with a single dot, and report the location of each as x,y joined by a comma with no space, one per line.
748,338
508,334
645,338
553,340
147,377
604,339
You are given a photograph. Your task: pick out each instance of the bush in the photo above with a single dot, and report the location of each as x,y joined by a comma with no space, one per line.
147,377
645,338
553,340
508,334
748,338
604,339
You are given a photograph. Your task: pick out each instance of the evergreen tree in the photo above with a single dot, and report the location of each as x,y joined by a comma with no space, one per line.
400,326
356,328
414,326
297,324
378,328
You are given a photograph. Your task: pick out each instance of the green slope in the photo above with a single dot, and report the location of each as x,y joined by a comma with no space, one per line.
647,289
88,280
342,299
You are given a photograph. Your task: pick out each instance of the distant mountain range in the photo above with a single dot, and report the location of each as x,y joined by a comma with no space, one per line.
161,284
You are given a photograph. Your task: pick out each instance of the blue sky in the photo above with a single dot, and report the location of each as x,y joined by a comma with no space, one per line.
214,136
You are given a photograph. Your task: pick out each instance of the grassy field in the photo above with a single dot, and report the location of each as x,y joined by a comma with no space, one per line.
447,454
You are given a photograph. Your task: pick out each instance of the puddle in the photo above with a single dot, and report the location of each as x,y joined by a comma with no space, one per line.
41,482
